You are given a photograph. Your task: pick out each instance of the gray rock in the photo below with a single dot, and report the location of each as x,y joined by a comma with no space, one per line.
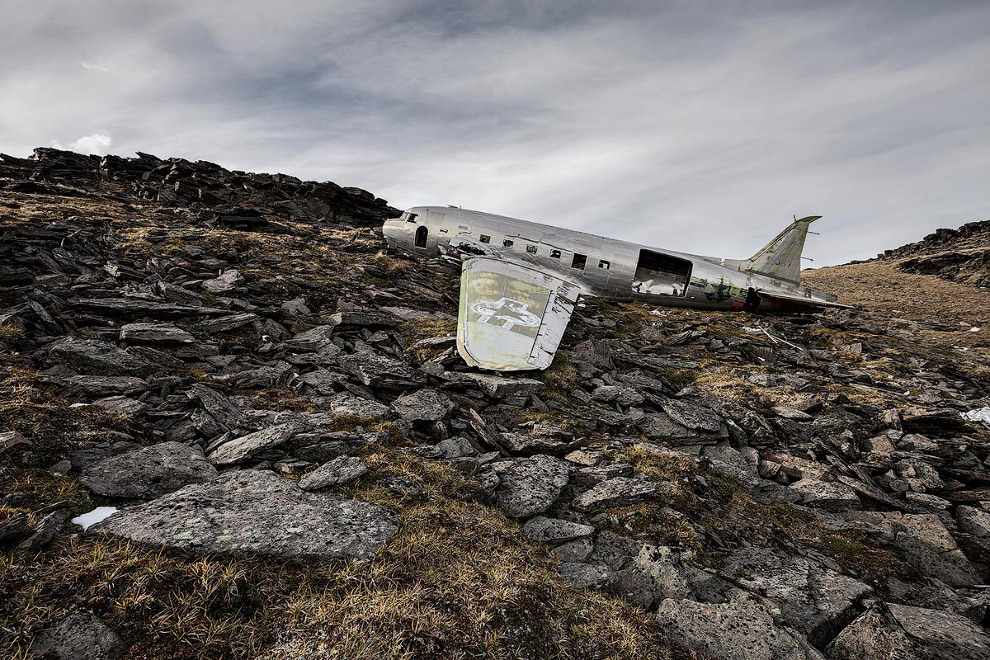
219,406
829,495
96,386
555,530
323,381
614,492
426,405
361,319
340,470
976,524
574,551
692,416
523,444
10,440
224,283
246,446
121,405
155,333
529,486
589,476
348,404
655,574
620,394
250,511
313,339
504,386
92,357
584,576
79,636
885,632
929,547
733,630
379,371
813,599
614,550
148,472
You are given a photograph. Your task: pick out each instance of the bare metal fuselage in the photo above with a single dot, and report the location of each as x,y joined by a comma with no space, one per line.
604,267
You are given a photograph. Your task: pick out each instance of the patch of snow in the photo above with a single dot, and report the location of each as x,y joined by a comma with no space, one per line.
78,404
975,328
94,516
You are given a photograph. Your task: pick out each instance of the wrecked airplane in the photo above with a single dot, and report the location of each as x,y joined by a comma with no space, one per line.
520,280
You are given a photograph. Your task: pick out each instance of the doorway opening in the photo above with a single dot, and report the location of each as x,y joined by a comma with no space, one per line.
421,234
661,274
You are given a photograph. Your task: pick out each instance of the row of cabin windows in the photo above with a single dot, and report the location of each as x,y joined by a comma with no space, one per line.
578,262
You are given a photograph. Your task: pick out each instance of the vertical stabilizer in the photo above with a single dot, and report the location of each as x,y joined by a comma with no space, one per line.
781,258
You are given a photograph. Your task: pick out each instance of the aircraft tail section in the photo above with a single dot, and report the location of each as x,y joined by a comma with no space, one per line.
781,257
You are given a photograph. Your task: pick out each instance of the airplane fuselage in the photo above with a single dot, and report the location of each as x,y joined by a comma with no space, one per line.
605,267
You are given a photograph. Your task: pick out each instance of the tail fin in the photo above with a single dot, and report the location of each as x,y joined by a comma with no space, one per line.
781,258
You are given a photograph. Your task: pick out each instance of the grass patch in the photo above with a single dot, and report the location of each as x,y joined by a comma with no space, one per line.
724,508
458,580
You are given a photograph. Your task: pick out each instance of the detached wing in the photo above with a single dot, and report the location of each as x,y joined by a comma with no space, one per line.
511,316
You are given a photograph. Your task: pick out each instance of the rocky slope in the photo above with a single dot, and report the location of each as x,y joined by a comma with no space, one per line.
303,466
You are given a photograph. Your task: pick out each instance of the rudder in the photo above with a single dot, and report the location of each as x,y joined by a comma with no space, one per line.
781,257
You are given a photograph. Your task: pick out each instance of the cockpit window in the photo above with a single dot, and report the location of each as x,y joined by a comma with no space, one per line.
410,217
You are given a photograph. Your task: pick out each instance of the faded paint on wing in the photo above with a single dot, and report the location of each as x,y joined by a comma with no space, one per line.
511,317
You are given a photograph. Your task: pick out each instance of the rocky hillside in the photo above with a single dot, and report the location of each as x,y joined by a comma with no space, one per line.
300,464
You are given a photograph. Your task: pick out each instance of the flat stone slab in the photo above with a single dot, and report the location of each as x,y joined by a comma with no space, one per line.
425,405
733,630
148,472
251,511
614,492
899,631
340,470
248,445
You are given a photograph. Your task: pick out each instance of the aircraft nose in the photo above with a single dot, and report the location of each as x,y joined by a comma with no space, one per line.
393,231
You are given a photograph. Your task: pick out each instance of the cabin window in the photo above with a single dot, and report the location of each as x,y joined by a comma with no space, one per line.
604,265
485,238
506,243
661,274
579,261
531,249
555,254
421,233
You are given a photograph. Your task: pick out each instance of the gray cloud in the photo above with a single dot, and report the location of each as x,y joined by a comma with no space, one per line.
689,125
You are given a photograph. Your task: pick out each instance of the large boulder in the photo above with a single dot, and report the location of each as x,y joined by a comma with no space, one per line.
733,630
79,636
813,599
251,511
148,472
529,486
885,632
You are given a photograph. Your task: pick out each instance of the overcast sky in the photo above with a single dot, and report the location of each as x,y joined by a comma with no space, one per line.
695,126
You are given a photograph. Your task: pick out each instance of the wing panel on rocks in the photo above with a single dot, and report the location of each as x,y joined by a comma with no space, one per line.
511,317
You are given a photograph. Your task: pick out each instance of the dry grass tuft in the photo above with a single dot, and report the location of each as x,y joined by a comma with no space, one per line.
458,580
